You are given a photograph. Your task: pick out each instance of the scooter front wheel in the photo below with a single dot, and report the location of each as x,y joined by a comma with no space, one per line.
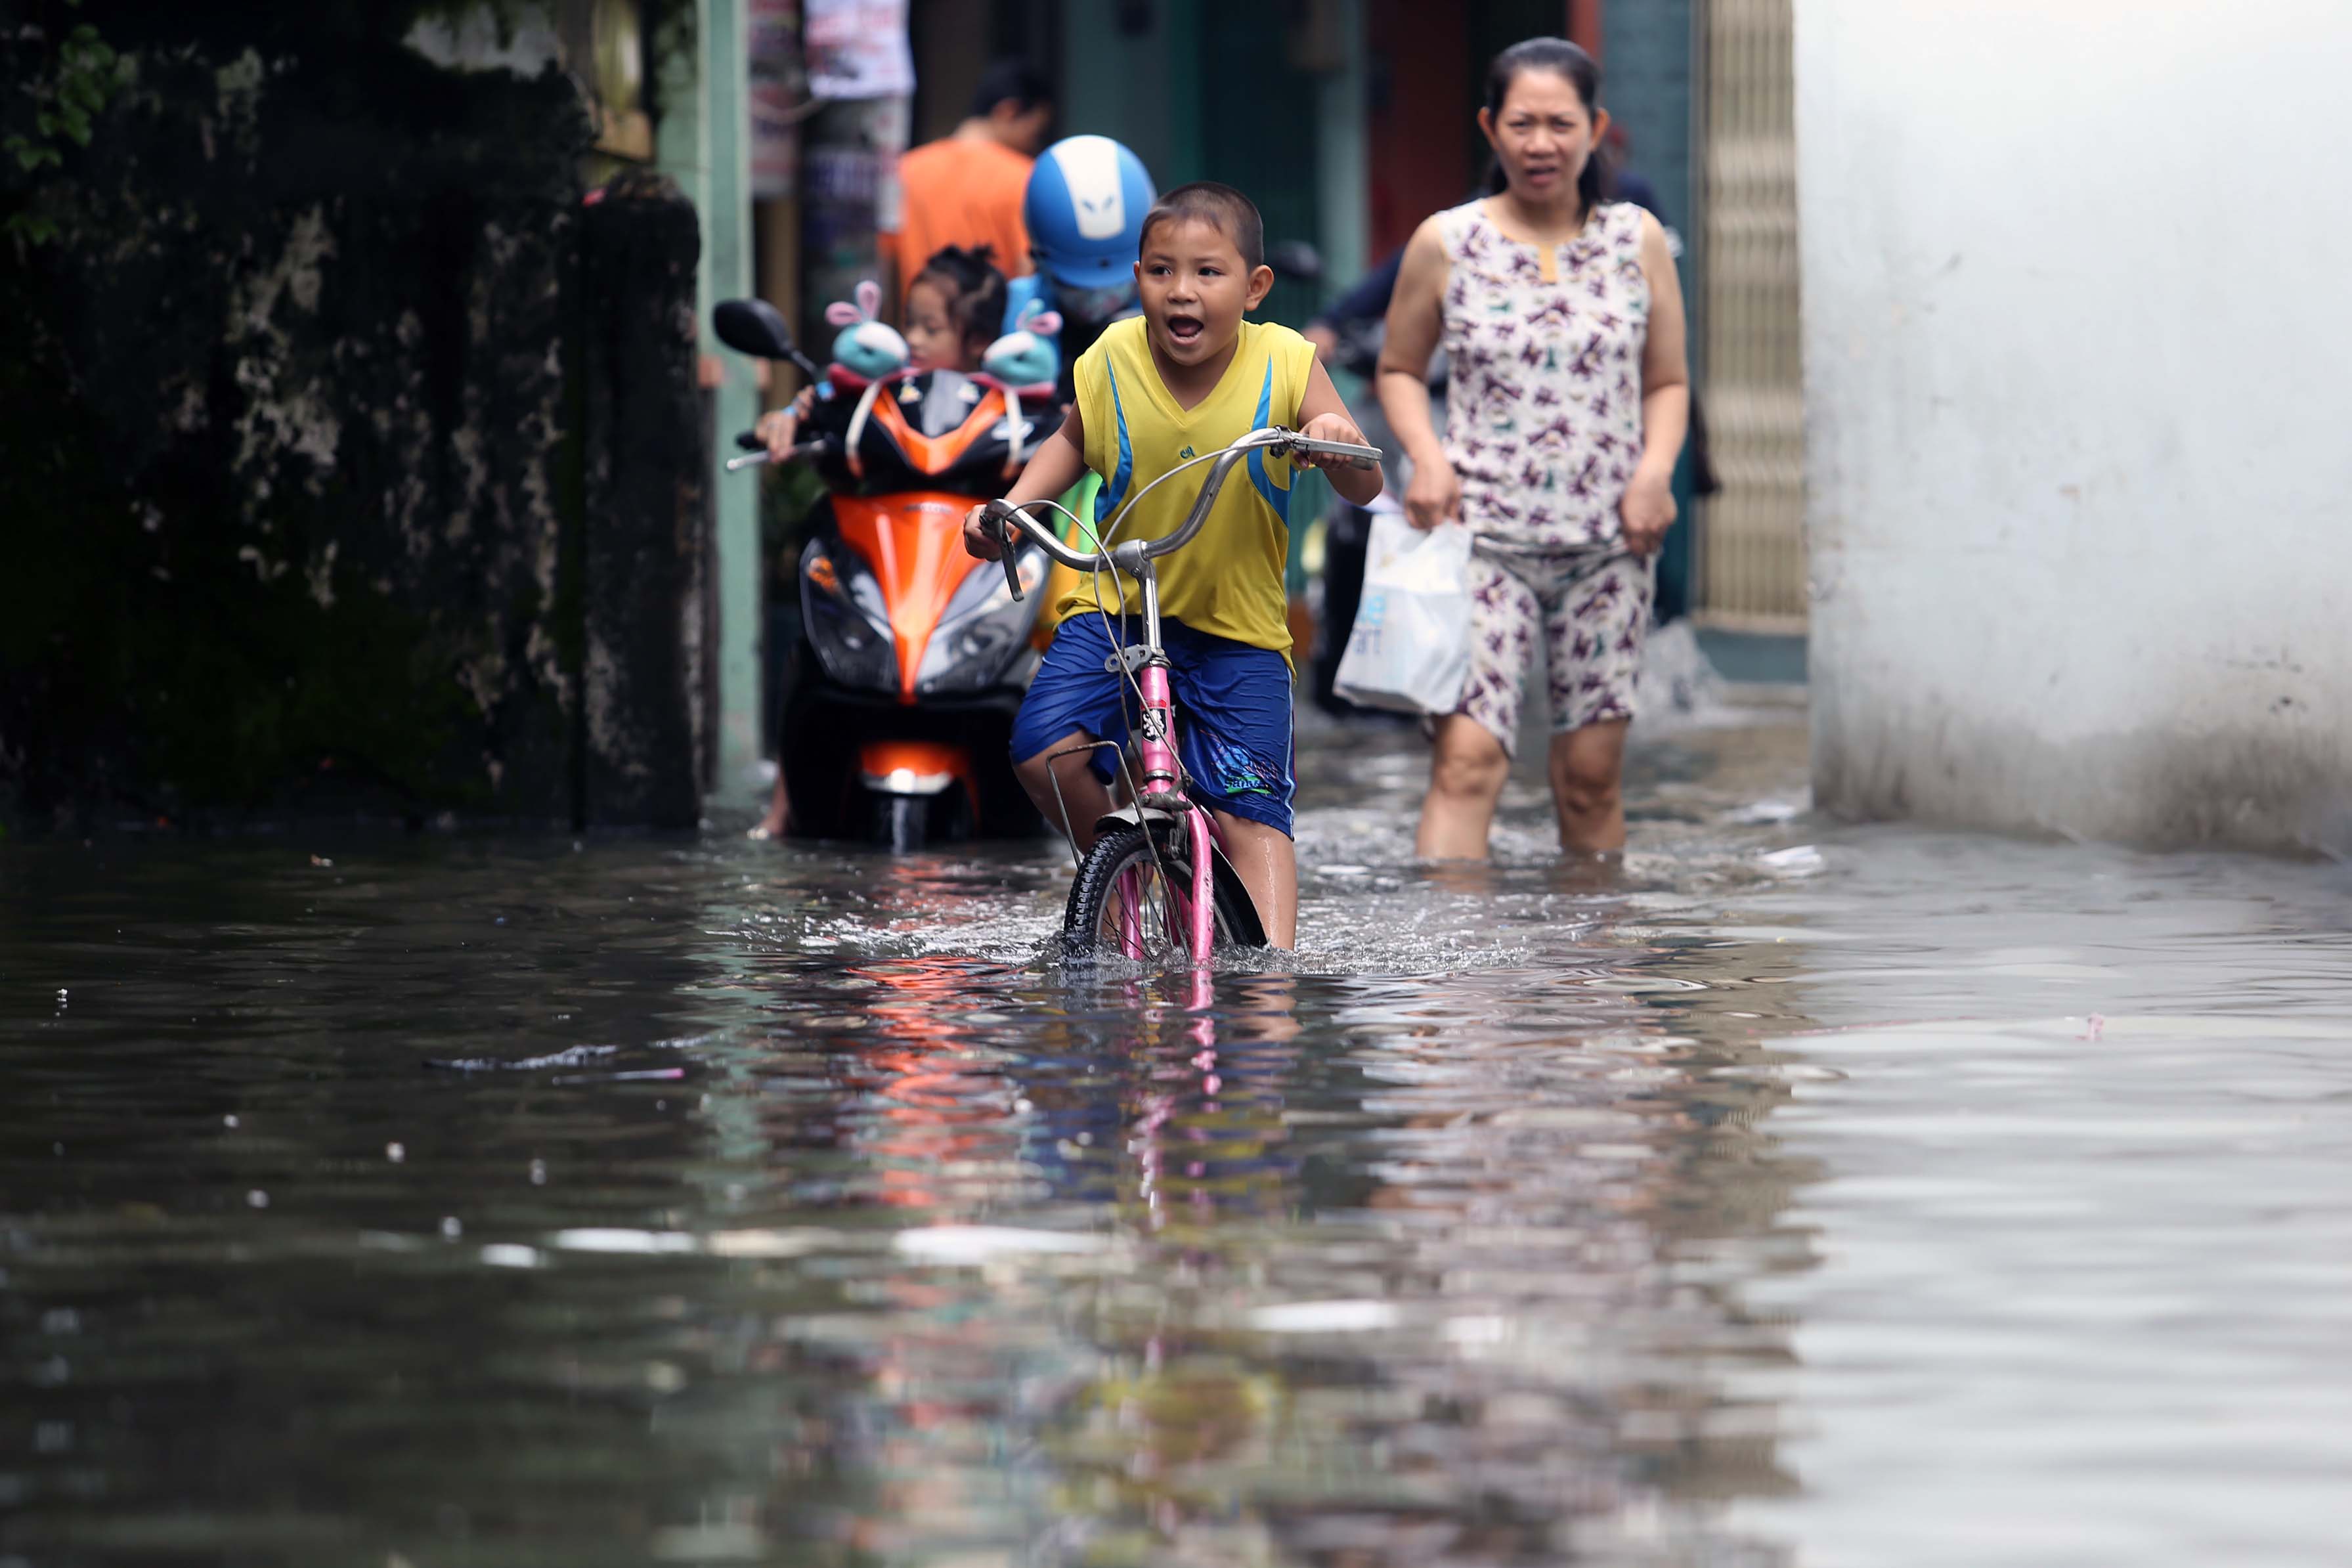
900,821
1132,892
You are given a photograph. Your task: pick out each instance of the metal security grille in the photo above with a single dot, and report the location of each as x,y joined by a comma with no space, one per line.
1752,560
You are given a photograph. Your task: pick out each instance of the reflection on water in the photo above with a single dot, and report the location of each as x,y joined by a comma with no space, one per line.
463,1202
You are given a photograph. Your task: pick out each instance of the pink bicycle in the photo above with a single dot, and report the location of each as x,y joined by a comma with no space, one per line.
1157,881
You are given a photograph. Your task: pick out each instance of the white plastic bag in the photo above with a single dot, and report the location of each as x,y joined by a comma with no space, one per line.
1409,649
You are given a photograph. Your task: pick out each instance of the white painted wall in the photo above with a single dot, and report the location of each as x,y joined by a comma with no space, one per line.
2078,395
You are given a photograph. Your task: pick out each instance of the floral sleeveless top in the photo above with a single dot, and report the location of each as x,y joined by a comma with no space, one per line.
1543,402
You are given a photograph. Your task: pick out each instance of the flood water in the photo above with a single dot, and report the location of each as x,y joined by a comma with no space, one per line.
1800,1195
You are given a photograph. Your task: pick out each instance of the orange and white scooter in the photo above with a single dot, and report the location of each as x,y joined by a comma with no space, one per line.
914,654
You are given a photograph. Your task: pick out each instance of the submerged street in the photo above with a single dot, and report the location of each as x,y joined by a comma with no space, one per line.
1799,1193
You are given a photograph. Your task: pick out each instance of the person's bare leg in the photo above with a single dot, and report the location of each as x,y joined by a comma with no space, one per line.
1467,769
780,813
1082,796
1268,864
1588,768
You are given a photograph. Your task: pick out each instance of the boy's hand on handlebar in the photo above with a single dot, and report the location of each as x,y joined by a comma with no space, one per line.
1331,427
980,535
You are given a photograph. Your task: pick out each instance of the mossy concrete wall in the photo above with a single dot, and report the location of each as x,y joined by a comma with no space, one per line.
352,464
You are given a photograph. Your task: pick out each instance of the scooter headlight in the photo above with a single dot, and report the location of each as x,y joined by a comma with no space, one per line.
985,631
848,624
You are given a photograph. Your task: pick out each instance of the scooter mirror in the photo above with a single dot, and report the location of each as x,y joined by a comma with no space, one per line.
757,328
1296,258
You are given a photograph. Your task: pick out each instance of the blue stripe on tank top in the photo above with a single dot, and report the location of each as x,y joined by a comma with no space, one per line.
1116,491
1278,499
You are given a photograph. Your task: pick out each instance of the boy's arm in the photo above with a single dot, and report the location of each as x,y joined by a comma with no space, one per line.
1054,467
1324,416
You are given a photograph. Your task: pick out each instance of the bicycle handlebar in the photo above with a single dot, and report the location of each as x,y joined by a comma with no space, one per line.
1273,440
1358,457
1011,573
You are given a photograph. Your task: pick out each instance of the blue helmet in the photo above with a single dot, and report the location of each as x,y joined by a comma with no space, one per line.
1084,211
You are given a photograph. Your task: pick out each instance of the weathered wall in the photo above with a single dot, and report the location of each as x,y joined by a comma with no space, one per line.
2077,475
301,509
646,558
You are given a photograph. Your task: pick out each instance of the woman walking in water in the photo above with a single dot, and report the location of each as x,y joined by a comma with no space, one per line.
1566,403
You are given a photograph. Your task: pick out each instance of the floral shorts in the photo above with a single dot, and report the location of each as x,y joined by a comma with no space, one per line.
1590,609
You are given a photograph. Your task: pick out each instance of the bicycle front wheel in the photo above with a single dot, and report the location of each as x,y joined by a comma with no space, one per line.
1134,893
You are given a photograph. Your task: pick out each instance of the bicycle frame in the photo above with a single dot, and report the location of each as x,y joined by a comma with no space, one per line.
1163,789
1162,786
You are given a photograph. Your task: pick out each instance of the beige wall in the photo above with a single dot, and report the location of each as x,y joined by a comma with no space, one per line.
2076,335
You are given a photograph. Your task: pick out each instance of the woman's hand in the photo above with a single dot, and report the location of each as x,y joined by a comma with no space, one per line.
1434,495
779,426
1648,510
979,538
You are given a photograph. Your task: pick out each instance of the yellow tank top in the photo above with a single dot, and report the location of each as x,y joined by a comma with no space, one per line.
1228,581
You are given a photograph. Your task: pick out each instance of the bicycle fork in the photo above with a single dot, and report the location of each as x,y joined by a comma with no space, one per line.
1163,791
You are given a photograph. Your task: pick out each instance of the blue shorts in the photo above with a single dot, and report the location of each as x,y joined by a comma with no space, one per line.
1232,712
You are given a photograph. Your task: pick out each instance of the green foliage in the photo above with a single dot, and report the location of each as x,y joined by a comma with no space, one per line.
66,95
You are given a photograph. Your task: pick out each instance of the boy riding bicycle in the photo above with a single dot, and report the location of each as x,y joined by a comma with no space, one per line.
1187,378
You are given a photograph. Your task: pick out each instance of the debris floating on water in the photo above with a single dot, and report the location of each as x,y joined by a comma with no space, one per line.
1797,860
572,1056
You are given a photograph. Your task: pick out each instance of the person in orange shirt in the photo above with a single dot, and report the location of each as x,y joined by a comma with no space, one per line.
965,189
